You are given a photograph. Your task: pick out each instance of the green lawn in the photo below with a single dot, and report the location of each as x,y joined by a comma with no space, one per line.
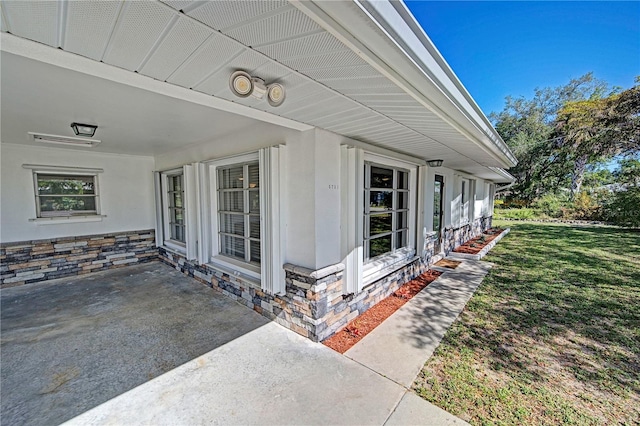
551,337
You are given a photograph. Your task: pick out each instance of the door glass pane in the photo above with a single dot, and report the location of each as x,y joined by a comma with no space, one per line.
378,246
177,215
232,224
403,180
380,223
232,246
254,201
403,200
177,232
232,201
380,200
231,177
254,226
381,178
401,239
254,176
255,251
401,220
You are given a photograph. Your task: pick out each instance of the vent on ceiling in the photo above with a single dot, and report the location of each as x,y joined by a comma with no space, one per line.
64,140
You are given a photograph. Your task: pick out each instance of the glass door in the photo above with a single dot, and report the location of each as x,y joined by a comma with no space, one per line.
438,195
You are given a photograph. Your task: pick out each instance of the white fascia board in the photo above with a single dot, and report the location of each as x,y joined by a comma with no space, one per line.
411,71
60,58
505,176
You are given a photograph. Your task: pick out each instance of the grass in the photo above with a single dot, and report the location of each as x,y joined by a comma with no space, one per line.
551,337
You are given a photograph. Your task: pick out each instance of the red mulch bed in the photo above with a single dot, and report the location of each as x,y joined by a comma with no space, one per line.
365,323
475,245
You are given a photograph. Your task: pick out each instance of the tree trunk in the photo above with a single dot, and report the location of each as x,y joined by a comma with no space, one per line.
578,175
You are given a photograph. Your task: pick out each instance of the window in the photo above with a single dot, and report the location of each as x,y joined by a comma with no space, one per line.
65,195
386,210
464,202
239,212
175,199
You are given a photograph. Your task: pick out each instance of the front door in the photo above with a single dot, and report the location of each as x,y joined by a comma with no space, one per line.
437,210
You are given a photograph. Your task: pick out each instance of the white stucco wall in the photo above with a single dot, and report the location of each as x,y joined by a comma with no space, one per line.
125,189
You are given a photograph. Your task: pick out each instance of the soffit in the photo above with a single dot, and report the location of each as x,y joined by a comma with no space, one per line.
197,45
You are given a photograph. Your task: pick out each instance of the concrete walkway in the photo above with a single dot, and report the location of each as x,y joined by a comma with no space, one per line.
399,347
273,376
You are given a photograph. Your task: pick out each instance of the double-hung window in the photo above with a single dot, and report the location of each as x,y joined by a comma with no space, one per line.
238,194
386,210
66,195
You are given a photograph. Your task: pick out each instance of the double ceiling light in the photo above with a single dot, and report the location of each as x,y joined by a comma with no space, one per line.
243,85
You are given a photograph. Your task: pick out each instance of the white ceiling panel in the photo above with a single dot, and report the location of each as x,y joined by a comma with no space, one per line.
183,39
138,29
223,14
288,23
358,71
378,91
89,26
343,58
35,20
3,25
358,83
322,42
212,55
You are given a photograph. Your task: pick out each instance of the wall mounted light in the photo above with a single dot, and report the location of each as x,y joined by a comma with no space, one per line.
84,129
244,85
434,163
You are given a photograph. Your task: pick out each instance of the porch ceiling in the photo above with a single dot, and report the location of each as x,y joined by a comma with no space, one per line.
197,45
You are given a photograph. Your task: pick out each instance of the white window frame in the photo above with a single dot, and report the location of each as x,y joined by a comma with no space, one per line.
359,273
65,216
270,275
167,241
216,258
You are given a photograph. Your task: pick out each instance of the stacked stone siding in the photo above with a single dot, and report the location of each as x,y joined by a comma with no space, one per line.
31,261
455,237
313,306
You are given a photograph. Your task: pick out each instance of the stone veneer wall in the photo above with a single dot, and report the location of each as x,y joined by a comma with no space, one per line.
313,305
31,261
455,237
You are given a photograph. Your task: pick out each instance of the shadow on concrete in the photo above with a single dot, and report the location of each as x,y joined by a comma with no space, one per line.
71,344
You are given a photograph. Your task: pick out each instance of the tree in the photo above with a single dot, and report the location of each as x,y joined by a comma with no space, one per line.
599,128
528,126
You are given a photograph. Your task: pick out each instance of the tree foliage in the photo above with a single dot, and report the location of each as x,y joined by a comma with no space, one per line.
560,133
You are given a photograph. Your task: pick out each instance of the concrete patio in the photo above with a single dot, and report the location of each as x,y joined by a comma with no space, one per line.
147,345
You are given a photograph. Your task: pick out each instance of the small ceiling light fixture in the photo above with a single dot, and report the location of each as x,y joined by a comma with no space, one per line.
64,140
84,129
244,85
434,163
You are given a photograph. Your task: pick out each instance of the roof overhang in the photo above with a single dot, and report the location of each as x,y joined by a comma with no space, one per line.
364,70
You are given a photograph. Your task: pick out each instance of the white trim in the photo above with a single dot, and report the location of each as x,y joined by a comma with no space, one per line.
190,211
166,240
271,220
62,169
58,220
352,199
157,183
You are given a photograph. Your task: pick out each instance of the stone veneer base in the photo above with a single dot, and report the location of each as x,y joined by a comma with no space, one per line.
313,305
38,260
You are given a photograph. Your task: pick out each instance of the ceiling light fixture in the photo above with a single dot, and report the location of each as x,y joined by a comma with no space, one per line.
244,85
64,140
84,129
434,163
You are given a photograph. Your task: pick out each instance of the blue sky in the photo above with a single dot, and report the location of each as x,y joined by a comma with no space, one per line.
510,48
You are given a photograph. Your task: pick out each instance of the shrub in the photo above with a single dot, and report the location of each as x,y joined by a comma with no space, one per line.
522,214
624,207
585,207
551,205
